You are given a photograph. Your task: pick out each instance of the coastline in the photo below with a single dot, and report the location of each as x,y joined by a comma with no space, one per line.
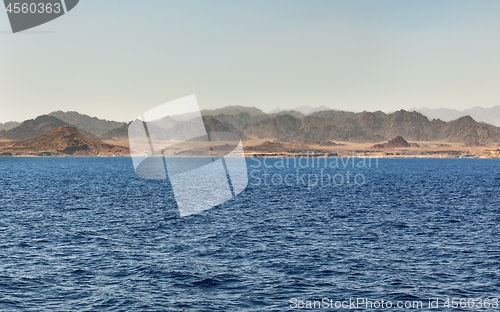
271,155
272,148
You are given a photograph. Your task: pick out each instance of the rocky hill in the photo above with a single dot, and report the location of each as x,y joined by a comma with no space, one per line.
62,141
397,142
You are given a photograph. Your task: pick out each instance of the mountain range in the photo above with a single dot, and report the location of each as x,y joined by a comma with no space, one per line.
373,127
252,123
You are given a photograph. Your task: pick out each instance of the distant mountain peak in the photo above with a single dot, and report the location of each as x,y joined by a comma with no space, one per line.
489,115
275,111
466,119
308,110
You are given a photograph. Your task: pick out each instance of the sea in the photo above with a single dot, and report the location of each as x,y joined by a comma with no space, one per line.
88,234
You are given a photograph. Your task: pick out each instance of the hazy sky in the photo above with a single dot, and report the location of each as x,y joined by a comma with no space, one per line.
115,59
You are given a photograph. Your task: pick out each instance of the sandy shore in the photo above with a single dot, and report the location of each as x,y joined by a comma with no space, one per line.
264,147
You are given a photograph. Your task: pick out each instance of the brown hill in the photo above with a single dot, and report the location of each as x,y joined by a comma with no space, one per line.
398,142
467,130
395,143
33,128
65,140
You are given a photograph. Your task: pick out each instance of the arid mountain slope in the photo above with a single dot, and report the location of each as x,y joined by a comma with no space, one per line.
86,123
33,128
65,140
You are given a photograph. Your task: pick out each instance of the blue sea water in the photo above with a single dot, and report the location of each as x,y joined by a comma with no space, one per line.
86,234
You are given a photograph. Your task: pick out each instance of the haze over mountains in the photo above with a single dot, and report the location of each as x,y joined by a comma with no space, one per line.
305,109
251,123
489,115
9,125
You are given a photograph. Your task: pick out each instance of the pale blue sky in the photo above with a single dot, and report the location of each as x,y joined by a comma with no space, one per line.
115,59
